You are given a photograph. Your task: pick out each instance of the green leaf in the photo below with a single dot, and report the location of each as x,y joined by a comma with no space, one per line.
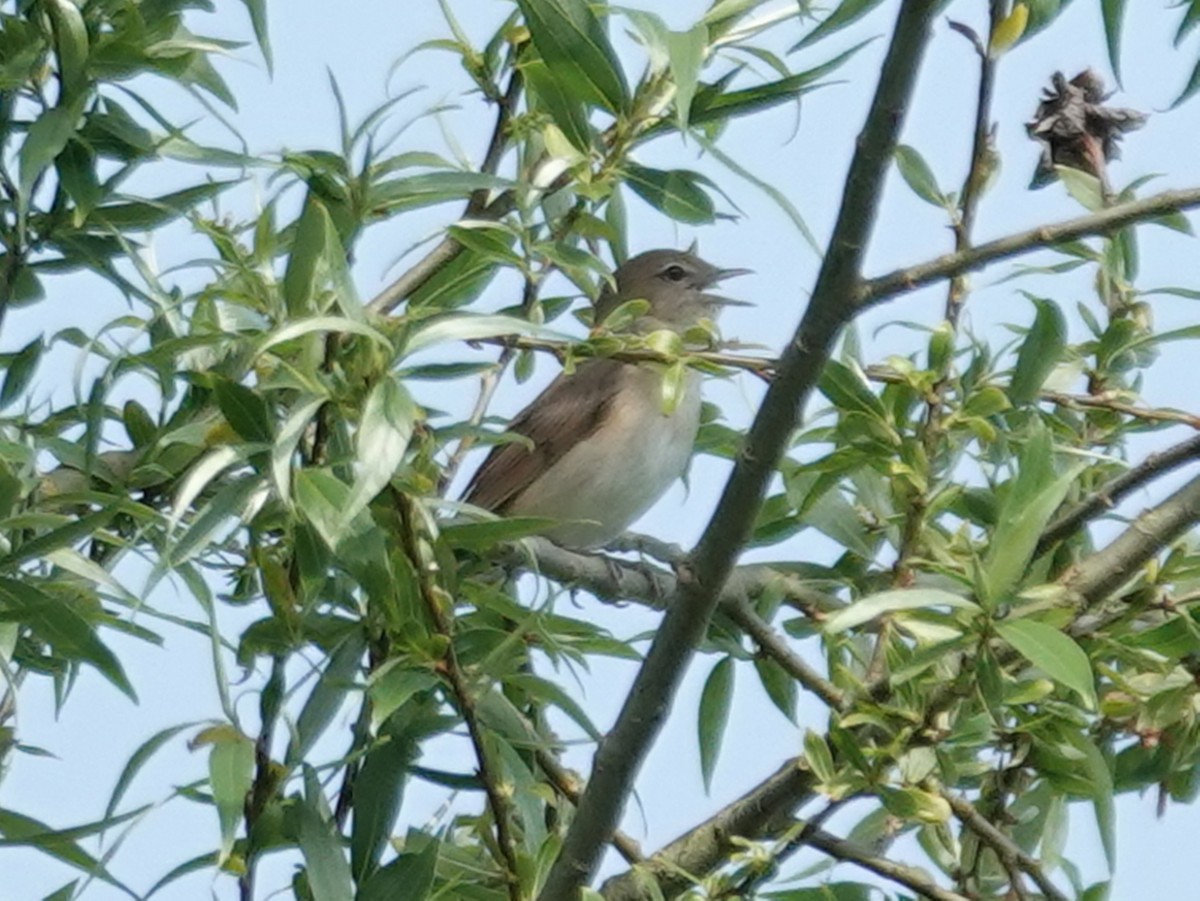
781,199
1040,352
258,20
137,760
479,536
308,247
868,608
918,176
378,793
409,876
1083,186
818,756
715,702
1032,499
1053,652
18,830
1113,11
145,215
46,139
575,47
1189,89
329,877
326,699
71,44
686,50
847,12
473,327
848,390
230,774
779,686
19,371
388,418
675,192
60,622
550,96
245,410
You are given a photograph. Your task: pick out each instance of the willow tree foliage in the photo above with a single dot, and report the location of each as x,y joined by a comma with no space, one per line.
989,643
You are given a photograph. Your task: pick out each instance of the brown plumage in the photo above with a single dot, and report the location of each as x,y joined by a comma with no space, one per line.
599,448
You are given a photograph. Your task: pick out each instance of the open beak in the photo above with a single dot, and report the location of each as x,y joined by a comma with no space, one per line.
720,276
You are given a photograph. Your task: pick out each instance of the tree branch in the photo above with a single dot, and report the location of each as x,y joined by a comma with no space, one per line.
610,579
901,281
1008,851
765,807
910,877
620,755
1111,493
1098,576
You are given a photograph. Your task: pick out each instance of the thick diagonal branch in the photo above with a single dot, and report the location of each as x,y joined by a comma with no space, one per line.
620,755
766,807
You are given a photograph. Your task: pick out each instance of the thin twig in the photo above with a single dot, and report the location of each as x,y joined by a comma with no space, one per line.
799,838
1111,493
477,207
910,278
501,806
1004,847
620,755
909,877
773,646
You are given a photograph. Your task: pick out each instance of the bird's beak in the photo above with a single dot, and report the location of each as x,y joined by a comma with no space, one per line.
720,276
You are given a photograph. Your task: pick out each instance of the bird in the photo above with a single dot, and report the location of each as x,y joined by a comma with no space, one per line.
599,449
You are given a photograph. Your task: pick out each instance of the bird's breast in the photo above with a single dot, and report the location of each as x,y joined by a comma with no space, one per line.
604,483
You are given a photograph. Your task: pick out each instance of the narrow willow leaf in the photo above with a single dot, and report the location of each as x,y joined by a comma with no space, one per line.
388,419
60,622
329,877
326,698
918,176
71,42
410,876
46,138
245,410
1054,653
290,432
767,188
868,608
308,247
715,702
472,327
20,371
138,759
575,47
1113,12
1040,352
675,192
847,12
1032,499
848,390
230,774
687,50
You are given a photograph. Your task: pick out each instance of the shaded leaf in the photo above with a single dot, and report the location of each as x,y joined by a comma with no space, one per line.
1053,652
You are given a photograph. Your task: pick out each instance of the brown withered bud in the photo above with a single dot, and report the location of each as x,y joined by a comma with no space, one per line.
1076,130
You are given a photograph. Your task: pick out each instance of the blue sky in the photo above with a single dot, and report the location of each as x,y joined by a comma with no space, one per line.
359,44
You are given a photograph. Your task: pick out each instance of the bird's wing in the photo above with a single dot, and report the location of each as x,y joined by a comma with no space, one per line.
567,412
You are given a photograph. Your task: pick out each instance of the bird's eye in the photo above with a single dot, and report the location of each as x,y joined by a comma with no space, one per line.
675,273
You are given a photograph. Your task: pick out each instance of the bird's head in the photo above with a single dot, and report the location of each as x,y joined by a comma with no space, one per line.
674,283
